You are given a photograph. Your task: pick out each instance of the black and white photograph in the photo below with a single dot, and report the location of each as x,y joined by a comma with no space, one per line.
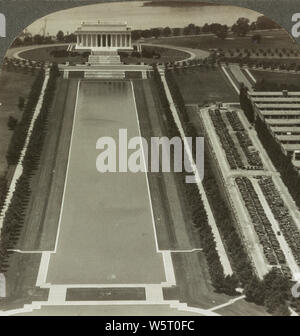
150,163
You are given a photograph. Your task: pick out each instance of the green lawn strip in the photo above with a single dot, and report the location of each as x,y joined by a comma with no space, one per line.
270,39
200,85
41,180
276,77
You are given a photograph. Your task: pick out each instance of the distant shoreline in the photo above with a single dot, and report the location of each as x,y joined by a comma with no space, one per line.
175,3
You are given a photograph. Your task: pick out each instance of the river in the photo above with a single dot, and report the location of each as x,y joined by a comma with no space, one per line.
139,16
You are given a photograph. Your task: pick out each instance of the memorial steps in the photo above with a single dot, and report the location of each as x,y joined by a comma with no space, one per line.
100,58
103,58
119,74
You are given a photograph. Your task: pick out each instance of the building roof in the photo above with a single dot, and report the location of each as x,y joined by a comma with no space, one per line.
281,112
276,99
292,137
282,106
99,26
272,93
285,129
282,121
291,147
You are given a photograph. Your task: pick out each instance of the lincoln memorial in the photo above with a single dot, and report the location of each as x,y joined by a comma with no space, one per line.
100,36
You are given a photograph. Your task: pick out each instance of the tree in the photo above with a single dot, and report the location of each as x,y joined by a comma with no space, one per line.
12,123
17,42
21,103
206,28
38,39
241,27
189,30
27,40
197,30
146,33
136,35
264,22
156,32
256,38
221,32
176,31
254,291
167,31
60,36
71,38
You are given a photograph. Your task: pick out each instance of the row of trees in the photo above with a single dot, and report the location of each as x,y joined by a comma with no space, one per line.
41,39
3,191
240,28
260,52
19,136
273,291
284,65
15,215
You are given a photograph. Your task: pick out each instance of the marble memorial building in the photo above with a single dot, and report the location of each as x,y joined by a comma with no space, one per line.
103,36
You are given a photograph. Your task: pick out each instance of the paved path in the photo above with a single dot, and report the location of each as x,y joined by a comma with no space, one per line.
239,76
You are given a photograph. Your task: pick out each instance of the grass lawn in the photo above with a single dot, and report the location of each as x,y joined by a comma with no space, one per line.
173,219
204,85
43,55
13,85
42,213
23,268
243,308
194,287
277,77
166,55
270,39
